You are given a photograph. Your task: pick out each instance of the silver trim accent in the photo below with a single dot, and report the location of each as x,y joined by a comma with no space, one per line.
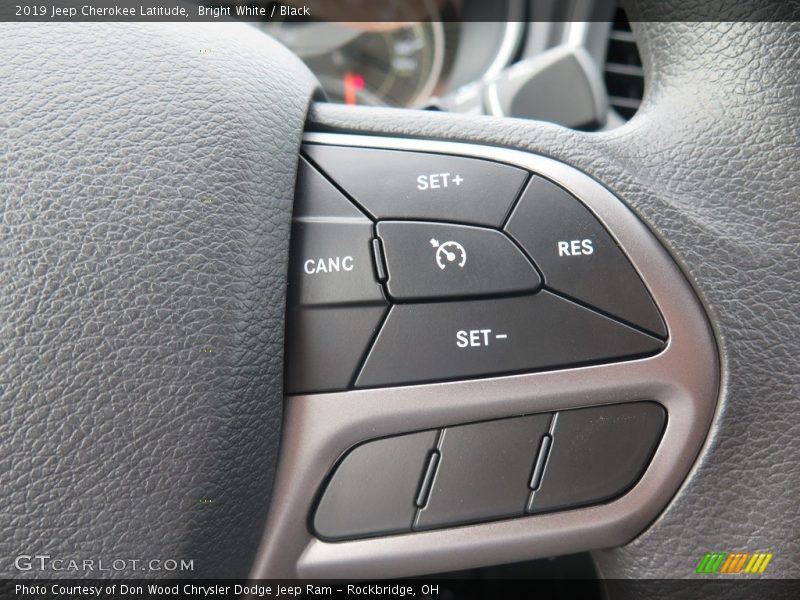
532,66
684,378
426,90
576,34
512,36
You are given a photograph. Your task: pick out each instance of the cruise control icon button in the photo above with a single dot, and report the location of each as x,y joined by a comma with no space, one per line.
440,260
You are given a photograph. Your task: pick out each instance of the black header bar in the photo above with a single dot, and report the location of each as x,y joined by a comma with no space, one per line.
377,11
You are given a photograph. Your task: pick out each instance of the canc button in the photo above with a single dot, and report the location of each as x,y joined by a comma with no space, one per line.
331,247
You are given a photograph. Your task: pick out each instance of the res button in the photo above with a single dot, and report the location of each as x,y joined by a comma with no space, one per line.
578,257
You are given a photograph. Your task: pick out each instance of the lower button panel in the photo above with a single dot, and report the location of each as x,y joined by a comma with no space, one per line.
438,341
489,470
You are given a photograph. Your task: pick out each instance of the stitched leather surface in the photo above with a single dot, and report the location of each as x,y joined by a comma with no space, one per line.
710,162
146,181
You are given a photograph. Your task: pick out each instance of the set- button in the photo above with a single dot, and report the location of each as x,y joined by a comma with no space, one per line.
435,341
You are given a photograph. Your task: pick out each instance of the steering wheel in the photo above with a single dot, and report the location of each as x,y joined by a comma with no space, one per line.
147,205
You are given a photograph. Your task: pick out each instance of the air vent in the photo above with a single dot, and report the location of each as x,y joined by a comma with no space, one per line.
623,71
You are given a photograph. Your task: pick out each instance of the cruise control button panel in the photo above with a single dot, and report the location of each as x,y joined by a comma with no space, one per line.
412,267
439,260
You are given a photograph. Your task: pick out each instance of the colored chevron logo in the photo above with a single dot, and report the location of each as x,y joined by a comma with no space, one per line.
734,563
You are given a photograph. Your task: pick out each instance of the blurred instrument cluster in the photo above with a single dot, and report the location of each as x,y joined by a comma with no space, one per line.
549,60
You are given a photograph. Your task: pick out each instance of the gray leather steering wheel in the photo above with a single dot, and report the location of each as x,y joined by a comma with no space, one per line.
147,194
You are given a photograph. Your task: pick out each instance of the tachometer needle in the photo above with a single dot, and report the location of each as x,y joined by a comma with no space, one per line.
353,82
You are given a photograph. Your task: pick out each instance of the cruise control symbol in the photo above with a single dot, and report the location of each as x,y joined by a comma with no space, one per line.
449,253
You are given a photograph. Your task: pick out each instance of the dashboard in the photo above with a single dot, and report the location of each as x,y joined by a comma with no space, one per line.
407,63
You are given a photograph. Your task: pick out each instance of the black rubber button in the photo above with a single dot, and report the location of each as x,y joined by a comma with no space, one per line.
325,345
483,471
578,257
438,260
316,197
373,490
451,340
332,263
392,184
598,454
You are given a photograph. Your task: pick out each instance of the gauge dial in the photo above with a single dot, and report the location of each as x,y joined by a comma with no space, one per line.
397,66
